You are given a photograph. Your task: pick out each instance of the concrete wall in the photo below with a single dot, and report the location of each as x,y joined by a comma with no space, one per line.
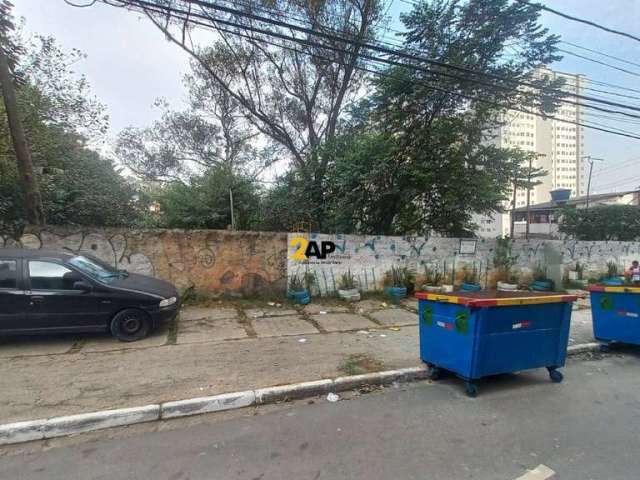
221,263
209,261
370,257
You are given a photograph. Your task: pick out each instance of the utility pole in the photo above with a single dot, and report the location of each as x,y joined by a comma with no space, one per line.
526,235
33,200
233,218
513,207
591,160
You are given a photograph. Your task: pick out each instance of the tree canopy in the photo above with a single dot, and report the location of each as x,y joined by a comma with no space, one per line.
601,222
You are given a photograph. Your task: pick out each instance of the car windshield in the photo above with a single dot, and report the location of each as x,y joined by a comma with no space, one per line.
97,271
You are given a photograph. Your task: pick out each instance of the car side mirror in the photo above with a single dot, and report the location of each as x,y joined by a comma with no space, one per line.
83,286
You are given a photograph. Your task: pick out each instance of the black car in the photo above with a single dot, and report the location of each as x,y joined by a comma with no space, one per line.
50,292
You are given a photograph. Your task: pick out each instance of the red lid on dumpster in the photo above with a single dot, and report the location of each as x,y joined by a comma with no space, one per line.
494,298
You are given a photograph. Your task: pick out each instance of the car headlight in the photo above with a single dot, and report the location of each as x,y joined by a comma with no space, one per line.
168,301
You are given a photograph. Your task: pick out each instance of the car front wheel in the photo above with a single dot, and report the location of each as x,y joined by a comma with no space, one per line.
130,325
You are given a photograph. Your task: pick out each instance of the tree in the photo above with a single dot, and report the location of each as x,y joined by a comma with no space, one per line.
60,117
524,176
203,202
210,133
435,124
602,222
28,180
294,96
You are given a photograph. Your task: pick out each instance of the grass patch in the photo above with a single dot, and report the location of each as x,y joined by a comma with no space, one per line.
359,363
172,332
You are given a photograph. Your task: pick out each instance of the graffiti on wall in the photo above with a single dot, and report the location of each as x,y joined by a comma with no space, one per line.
111,250
207,261
369,258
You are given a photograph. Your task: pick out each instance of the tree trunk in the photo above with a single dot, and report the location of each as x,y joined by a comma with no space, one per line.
513,209
528,200
28,180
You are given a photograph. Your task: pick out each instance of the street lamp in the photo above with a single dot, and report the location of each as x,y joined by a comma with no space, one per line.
591,160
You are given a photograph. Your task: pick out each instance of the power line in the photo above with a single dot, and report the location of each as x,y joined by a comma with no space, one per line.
387,51
202,4
164,10
77,5
395,43
581,20
596,82
624,70
601,53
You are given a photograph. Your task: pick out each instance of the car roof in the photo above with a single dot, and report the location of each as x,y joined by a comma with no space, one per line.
34,253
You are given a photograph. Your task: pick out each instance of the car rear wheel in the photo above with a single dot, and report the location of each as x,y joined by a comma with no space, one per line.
130,325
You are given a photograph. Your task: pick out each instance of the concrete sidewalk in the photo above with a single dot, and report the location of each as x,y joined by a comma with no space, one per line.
211,349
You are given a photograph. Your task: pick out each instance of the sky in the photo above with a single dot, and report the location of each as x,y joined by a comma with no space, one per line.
130,65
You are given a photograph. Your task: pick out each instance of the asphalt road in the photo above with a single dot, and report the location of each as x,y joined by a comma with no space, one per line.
588,427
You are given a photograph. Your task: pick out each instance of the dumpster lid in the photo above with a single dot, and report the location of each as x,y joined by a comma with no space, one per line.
620,289
494,298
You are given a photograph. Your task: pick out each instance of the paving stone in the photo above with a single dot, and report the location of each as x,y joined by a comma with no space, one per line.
337,322
581,328
395,317
28,346
204,330
366,306
269,312
315,309
410,303
210,313
280,326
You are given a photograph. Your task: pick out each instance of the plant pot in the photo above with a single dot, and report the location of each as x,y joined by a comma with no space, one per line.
350,295
301,297
542,286
432,288
613,281
447,288
470,287
397,293
507,287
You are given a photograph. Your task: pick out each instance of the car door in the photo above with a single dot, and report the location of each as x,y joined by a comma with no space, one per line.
56,302
13,299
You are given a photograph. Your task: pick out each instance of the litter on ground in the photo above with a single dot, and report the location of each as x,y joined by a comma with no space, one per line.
333,397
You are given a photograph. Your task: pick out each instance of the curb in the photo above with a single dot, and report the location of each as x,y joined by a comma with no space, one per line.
27,431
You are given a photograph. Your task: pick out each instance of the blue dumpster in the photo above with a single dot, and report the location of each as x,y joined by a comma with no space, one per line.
476,334
616,314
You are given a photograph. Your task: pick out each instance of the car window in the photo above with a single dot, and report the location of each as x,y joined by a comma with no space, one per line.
95,269
51,276
8,274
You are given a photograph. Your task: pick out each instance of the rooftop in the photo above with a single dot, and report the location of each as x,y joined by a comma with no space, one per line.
576,201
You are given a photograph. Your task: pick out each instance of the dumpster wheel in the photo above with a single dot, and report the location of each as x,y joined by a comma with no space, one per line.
555,375
470,389
434,373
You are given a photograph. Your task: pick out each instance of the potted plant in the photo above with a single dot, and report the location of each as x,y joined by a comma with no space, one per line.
297,290
432,279
446,287
503,261
348,287
396,282
470,279
577,272
613,277
540,281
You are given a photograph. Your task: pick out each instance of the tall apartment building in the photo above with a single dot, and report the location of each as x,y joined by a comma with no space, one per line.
560,145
